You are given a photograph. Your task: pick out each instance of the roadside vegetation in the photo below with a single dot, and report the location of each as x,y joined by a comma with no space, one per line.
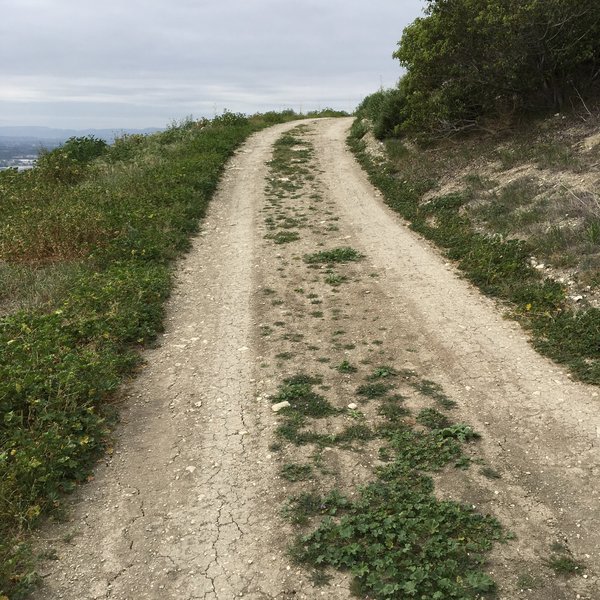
489,147
87,243
523,231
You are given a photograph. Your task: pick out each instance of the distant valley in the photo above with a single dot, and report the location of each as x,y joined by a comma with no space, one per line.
20,145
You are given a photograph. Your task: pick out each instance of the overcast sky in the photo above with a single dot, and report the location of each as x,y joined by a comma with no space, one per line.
144,63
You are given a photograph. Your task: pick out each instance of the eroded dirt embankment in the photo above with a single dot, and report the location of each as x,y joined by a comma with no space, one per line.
188,505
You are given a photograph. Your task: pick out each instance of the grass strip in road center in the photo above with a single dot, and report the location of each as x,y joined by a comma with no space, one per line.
392,534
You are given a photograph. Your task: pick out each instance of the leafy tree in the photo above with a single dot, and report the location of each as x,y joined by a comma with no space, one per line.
561,42
472,59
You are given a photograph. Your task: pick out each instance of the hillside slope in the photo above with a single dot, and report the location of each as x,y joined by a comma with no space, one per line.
519,212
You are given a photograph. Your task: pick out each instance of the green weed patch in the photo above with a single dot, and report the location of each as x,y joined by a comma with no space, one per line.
283,237
398,541
561,561
298,391
394,536
343,254
383,372
346,367
296,472
373,390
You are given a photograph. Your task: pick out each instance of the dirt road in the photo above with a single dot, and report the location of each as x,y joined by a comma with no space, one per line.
188,506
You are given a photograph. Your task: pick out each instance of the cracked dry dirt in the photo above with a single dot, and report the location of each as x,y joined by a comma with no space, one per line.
188,504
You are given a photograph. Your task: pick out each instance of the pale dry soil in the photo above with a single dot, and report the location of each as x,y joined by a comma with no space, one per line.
188,505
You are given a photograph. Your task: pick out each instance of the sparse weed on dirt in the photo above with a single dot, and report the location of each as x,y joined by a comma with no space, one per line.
392,409
526,581
435,391
561,561
298,391
435,548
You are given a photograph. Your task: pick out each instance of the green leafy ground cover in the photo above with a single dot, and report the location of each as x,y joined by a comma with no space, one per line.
87,243
395,537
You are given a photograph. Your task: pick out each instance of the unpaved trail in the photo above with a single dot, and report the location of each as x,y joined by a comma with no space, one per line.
188,505
182,510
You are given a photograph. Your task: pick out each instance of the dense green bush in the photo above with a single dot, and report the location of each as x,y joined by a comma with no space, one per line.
384,110
84,149
68,163
472,60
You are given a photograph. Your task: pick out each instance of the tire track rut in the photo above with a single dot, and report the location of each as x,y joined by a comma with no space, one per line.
182,510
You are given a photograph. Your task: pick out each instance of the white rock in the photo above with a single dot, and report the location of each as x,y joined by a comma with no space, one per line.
352,406
280,405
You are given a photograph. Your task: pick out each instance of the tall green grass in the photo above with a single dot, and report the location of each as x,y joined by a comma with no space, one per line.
87,242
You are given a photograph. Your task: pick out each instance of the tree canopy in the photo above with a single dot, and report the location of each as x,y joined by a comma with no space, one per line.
467,60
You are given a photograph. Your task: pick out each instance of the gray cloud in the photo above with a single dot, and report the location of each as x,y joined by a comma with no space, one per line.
121,63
